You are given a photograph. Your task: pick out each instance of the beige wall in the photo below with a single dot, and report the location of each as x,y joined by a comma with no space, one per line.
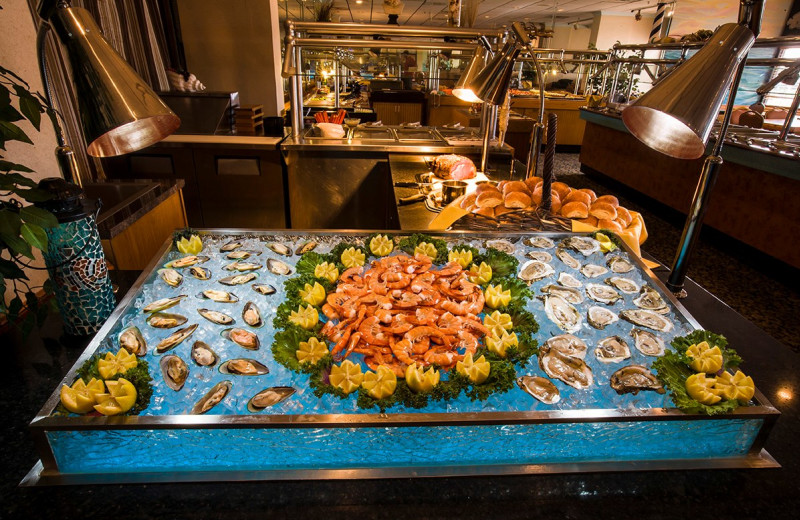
692,15
611,27
567,37
18,53
235,46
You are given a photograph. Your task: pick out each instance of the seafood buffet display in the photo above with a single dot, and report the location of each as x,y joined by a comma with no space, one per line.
281,326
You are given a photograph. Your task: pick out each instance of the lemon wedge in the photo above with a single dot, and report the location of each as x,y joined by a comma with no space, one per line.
346,376
498,322
80,397
462,256
701,389
120,398
427,249
606,244
737,386
420,380
306,317
313,294
476,370
480,274
496,297
705,358
311,351
352,257
381,245
326,271
500,343
381,383
190,247
112,365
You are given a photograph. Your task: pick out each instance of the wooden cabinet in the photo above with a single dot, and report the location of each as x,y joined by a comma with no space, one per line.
397,113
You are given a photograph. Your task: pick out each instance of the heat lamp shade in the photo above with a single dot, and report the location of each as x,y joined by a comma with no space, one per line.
676,116
491,84
476,64
118,110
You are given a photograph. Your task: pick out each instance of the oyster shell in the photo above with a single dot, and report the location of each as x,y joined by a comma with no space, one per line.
280,249
242,266
175,371
562,313
203,355
264,288
201,273
165,320
570,294
541,256
583,245
243,338
219,296
171,277
306,247
220,318
131,339
625,285
568,345
648,319
567,258
619,264
175,339
501,245
633,379
230,246
212,398
649,299
648,343
592,270
238,279
269,397
252,315
602,293
244,367
572,371
612,349
164,303
186,261
278,267
567,280
541,242
534,270
540,388
600,317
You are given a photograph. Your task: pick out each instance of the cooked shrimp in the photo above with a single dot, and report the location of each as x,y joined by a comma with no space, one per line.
442,357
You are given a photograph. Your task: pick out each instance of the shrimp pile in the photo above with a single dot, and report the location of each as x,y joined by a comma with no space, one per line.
400,311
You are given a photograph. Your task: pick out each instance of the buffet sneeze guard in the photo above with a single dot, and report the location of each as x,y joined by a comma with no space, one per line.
145,448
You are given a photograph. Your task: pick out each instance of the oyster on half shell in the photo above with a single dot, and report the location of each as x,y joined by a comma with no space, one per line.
648,319
541,256
540,388
534,270
635,378
501,245
600,317
593,270
572,371
541,242
568,259
648,343
562,313
568,344
570,294
619,264
650,300
602,293
583,245
567,280
612,349
625,285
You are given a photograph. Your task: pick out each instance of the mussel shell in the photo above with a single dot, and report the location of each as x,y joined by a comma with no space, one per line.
567,259
252,342
280,249
201,273
306,247
264,288
634,378
165,320
174,339
240,266
541,242
220,318
171,277
269,397
183,371
592,270
238,279
540,388
241,254
131,339
218,296
164,303
501,245
186,261
200,358
251,315
212,398
258,368
230,246
534,270
278,267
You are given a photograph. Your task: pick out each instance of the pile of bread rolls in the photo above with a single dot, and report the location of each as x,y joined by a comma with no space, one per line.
493,200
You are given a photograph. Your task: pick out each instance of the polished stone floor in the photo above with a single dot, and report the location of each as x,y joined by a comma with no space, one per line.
759,288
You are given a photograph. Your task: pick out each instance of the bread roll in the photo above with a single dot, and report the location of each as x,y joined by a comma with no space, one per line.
501,185
590,193
621,223
601,210
579,196
471,208
468,200
517,200
609,224
486,212
562,189
485,186
536,197
532,182
592,221
512,186
608,198
499,210
490,199
555,206
625,216
575,209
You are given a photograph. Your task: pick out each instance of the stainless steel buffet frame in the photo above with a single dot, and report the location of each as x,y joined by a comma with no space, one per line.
46,472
